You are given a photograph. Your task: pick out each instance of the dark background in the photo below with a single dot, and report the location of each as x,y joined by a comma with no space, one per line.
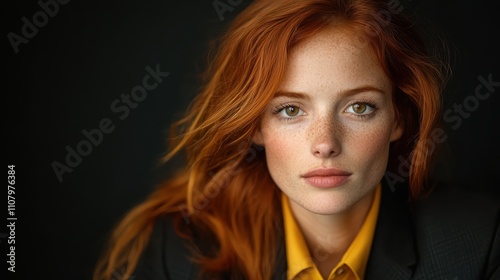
66,77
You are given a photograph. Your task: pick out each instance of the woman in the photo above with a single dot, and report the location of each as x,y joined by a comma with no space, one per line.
308,105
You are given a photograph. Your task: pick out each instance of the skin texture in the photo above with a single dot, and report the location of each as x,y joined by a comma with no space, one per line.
313,123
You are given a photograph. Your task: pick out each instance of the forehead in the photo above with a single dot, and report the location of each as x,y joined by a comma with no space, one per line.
336,58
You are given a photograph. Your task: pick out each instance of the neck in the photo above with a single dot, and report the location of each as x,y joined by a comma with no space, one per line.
329,236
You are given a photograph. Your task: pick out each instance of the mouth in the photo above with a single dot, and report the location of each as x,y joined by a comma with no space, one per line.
326,177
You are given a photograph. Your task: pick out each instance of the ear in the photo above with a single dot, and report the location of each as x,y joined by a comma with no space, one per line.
257,138
397,130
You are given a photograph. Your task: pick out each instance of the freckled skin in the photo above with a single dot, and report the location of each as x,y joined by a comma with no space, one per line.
326,132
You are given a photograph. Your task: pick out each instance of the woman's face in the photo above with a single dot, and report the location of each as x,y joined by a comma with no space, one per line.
327,131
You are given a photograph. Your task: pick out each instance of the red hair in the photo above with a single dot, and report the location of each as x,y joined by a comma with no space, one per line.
225,189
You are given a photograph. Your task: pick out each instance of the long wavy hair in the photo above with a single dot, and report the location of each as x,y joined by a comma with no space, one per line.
225,190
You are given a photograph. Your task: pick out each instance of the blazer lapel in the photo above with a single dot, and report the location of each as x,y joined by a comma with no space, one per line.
280,264
393,254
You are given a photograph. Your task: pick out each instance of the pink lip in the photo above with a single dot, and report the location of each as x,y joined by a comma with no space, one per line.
326,177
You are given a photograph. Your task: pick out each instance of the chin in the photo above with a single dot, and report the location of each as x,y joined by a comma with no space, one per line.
328,205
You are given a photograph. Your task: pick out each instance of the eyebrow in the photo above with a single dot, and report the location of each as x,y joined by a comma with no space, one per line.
362,89
345,93
291,94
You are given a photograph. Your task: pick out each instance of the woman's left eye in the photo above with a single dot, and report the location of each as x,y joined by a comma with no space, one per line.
361,108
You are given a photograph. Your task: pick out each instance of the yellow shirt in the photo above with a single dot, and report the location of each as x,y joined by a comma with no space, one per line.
353,262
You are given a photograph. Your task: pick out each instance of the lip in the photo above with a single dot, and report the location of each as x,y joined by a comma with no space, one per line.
326,177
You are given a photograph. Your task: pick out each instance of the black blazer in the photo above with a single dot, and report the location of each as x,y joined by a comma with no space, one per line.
450,235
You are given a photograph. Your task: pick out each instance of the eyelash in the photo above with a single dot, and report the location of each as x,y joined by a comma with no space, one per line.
369,104
283,106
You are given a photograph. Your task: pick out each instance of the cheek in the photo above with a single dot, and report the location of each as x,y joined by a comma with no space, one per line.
282,148
371,148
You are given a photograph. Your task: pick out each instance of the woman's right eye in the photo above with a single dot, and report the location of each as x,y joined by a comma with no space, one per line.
288,112
291,111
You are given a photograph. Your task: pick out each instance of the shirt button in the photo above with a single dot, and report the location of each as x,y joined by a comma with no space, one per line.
340,271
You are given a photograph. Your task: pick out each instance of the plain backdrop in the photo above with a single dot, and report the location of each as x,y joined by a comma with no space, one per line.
66,78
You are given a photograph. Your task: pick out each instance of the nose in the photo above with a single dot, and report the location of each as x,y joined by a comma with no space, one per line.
325,142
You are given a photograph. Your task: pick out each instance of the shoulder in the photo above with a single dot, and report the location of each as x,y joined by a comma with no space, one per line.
450,234
458,207
166,255
455,209
458,230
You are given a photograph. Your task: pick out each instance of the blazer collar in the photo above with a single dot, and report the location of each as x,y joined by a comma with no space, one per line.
280,272
393,253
